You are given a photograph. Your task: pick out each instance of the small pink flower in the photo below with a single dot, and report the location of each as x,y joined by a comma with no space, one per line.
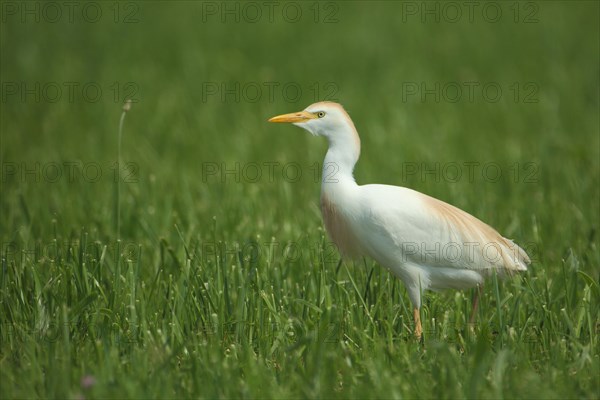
87,382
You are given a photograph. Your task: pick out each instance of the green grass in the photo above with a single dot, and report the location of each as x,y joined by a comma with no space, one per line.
225,286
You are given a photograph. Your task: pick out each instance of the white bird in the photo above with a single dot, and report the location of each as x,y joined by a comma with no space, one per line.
427,243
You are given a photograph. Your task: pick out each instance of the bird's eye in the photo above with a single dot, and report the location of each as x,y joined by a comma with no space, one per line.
321,114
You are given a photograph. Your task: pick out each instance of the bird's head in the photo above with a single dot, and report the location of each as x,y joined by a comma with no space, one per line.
330,120
322,119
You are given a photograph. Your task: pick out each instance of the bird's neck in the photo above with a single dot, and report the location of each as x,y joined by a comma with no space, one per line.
341,157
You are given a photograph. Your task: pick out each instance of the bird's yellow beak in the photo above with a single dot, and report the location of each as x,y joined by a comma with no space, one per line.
301,116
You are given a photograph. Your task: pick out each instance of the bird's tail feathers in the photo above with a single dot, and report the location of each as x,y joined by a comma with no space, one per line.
516,259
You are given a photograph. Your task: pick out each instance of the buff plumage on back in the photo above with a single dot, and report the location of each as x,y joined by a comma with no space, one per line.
508,257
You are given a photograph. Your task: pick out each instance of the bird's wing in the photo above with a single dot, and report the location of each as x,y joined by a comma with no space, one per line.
427,231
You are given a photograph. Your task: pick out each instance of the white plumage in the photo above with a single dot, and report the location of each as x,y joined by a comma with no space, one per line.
427,243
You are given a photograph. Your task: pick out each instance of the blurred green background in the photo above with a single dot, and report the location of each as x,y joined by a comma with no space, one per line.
204,77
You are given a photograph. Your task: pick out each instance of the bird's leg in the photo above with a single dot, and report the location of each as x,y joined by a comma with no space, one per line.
418,327
475,304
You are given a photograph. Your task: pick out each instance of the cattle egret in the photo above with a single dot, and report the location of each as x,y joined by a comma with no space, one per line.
427,243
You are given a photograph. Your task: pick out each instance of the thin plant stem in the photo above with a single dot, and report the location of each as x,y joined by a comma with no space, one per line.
126,107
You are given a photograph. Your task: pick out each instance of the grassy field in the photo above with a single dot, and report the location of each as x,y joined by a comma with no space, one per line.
205,270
